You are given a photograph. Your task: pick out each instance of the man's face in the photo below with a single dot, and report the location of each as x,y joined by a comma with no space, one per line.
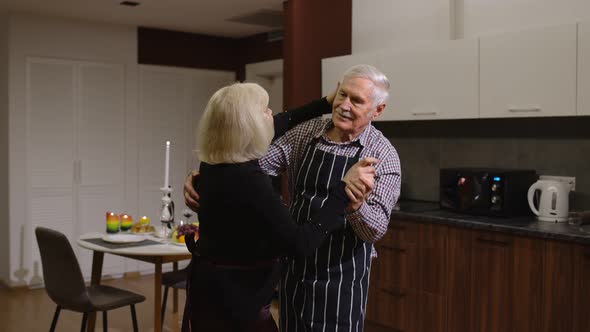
353,110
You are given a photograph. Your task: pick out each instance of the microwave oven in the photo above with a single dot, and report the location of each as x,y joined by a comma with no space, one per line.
486,191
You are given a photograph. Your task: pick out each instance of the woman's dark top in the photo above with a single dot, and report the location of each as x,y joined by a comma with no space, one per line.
243,219
244,223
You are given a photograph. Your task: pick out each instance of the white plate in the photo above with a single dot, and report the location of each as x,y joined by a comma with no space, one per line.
178,243
144,233
123,238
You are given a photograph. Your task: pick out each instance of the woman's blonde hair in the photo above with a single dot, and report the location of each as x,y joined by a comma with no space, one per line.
234,127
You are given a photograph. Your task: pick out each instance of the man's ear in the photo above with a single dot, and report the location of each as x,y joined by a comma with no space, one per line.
378,110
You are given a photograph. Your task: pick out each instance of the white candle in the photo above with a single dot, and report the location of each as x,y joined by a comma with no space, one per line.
167,169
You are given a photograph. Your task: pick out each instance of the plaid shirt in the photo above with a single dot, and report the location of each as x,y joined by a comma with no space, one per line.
371,219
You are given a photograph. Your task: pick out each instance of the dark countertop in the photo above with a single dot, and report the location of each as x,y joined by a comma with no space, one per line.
430,212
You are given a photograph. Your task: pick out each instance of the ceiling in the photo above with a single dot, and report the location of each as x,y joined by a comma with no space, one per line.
211,17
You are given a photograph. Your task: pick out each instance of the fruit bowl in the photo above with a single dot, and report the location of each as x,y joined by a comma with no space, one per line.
179,233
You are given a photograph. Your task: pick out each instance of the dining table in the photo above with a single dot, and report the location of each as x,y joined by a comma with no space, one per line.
151,249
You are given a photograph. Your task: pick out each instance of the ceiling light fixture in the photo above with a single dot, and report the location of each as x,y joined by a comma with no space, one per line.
129,3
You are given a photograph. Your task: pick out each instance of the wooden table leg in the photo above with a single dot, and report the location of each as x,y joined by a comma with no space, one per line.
175,291
97,259
158,295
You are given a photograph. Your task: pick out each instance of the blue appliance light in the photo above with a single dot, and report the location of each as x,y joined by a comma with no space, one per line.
496,179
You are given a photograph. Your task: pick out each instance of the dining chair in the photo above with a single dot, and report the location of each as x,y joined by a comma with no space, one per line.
175,280
65,285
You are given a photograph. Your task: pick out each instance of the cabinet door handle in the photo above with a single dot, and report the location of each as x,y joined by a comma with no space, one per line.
394,292
396,249
424,113
524,109
494,242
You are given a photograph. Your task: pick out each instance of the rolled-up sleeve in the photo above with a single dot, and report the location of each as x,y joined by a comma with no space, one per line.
370,221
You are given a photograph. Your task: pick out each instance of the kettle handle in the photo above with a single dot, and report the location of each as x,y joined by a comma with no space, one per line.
530,196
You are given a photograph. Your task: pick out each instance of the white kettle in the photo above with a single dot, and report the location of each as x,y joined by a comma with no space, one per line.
553,202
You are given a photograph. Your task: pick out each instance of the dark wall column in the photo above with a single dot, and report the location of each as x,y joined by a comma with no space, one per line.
313,30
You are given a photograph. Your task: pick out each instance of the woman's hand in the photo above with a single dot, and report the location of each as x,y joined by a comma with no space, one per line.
191,198
359,182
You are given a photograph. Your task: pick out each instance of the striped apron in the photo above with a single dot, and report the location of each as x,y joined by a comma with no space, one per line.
326,291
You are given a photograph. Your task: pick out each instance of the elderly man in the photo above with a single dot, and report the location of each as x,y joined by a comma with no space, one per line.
327,291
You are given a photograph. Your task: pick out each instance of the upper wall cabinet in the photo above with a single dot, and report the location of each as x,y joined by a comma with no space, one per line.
333,68
438,80
529,73
584,68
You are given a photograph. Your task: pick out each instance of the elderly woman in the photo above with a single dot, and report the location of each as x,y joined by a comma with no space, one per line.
244,225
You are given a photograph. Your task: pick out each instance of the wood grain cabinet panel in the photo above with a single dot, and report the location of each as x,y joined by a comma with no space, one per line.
490,286
581,291
558,287
431,277
458,279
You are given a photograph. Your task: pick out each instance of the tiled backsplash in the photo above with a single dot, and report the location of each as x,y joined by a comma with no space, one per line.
552,146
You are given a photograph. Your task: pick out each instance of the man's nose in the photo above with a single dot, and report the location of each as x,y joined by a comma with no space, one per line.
346,104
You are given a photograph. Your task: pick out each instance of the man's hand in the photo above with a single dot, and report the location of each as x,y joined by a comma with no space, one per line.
359,182
191,198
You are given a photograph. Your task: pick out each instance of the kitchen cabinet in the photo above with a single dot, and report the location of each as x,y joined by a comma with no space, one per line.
393,279
529,73
505,285
333,68
405,280
431,277
435,80
583,68
581,289
558,287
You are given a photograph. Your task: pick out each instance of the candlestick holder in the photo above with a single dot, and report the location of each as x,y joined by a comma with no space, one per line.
167,211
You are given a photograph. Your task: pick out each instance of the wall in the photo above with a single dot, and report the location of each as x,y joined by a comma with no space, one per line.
269,74
59,38
552,146
4,226
378,24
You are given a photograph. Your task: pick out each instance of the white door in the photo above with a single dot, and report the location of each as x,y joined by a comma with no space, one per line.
171,101
438,80
529,73
164,104
203,84
584,68
100,165
50,107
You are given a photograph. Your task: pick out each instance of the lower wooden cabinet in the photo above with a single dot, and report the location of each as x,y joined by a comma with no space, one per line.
581,291
439,278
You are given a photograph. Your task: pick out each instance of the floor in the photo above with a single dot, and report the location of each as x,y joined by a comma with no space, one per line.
32,310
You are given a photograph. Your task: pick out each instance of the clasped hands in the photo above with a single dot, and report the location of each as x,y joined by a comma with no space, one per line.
359,180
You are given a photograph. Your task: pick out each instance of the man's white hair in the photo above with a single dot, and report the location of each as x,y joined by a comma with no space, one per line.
381,83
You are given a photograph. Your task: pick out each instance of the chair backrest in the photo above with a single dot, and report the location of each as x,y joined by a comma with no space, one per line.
63,279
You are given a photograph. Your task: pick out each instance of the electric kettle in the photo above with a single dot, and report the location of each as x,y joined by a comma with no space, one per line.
553,201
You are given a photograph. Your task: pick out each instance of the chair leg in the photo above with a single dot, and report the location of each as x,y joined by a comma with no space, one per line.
133,318
84,319
104,321
164,299
55,317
